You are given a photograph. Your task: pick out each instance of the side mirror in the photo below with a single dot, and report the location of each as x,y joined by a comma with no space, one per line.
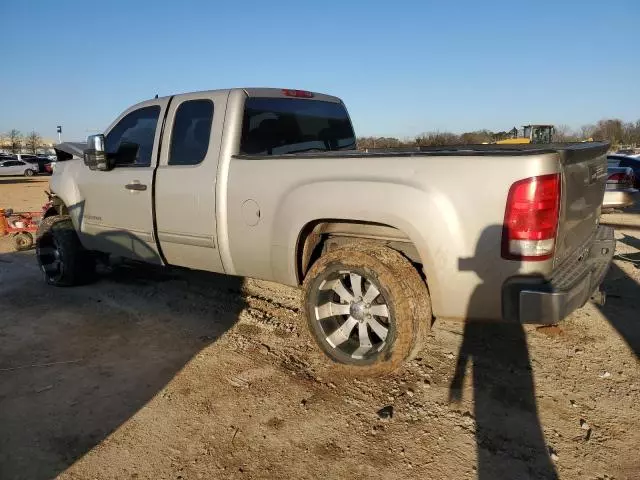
95,156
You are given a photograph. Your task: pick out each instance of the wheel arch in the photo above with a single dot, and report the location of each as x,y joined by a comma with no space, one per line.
57,207
325,234
425,216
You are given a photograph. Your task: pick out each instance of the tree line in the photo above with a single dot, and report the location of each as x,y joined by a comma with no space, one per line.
614,131
15,141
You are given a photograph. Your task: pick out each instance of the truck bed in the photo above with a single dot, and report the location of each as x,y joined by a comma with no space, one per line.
570,152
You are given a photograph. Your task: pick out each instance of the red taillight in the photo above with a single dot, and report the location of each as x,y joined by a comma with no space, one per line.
297,93
621,178
531,218
617,178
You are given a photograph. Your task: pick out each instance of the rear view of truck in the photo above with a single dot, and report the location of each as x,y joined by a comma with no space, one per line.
555,218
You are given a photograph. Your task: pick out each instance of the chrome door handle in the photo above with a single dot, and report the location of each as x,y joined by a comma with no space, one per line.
136,186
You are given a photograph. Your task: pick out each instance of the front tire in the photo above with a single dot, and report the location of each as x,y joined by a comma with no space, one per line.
63,260
366,307
29,173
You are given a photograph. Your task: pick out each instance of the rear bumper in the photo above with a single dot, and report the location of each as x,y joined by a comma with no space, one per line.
619,198
546,303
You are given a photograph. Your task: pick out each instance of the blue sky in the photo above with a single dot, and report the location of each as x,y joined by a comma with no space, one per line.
402,67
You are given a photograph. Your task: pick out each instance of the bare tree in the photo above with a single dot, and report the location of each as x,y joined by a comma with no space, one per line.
479,136
15,141
609,130
631,133
437,139
587,131
563,133
33,142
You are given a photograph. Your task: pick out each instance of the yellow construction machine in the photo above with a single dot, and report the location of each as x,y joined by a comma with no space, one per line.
529,134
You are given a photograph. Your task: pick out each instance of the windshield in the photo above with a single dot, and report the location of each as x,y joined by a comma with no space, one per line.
277,126
542,135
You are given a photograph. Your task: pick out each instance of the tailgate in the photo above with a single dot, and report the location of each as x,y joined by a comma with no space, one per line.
584,174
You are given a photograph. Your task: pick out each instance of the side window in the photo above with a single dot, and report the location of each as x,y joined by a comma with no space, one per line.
191,132
138,127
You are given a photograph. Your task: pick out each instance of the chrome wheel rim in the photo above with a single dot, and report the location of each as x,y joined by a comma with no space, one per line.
353,315
50,260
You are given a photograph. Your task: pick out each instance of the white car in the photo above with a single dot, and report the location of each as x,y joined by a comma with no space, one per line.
17,167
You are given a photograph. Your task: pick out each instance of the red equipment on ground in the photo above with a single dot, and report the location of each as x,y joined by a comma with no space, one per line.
21,225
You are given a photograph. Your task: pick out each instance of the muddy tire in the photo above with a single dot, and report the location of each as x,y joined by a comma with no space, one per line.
367,307
62,259
23,241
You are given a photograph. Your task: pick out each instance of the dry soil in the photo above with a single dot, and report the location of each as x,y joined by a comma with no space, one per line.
181,375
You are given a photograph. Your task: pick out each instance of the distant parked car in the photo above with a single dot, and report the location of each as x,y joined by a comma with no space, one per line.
619,191
626,161
34,160
17,167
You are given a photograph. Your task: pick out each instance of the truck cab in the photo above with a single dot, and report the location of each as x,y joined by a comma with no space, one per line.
159,191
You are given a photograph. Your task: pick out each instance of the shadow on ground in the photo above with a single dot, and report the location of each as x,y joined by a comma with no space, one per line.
509,437
76,364
623,295
16,180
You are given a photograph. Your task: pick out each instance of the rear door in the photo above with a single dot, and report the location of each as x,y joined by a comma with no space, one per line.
117,213
186,181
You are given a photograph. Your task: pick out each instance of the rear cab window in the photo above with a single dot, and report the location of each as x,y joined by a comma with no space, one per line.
279,126
191,132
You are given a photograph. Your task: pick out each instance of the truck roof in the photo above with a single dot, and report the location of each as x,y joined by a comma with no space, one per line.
259,92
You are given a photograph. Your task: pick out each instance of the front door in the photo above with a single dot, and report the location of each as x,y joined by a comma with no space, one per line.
186,181
117,214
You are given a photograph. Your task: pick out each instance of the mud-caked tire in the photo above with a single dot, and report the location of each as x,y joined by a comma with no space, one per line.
367,307
63,260
23,241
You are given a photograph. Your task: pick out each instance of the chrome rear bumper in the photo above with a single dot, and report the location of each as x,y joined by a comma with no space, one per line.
547,304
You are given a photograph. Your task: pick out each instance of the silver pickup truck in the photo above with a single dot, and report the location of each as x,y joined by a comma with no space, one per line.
266,183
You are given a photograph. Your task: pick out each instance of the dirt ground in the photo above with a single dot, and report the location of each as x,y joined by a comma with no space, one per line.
181,375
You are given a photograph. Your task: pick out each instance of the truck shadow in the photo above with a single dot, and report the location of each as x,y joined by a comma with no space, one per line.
509,437
623,296
76,364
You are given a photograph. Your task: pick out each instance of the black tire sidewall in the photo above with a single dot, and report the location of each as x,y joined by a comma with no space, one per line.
77,266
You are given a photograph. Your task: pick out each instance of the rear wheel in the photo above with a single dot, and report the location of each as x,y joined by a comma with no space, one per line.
23,241
366,307
62,258
29,173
